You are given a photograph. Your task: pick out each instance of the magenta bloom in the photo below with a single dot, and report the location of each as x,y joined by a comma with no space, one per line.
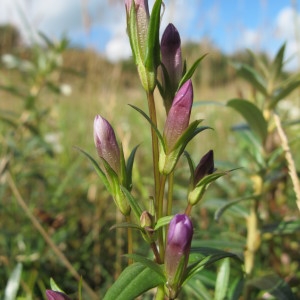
177,251
106,143
53,295
179,115
205,166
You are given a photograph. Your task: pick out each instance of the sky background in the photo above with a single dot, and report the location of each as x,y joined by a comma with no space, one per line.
230,25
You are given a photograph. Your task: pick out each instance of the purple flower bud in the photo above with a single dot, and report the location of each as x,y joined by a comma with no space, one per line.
106,143
53,295
177,251
179,115
171,59
205,166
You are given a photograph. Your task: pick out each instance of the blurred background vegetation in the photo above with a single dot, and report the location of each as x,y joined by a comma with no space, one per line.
49,96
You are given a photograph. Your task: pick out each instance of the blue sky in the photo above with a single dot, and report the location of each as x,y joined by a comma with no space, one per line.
100,24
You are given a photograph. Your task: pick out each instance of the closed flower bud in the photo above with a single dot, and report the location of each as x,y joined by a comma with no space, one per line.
142,19
172,61
179,115
53,295
205,166
106,143
146,219
178,246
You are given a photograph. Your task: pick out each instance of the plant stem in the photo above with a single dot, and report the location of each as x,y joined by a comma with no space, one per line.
47,238
156,253
188,209
160,293
129,240
155,151
160,206
289,159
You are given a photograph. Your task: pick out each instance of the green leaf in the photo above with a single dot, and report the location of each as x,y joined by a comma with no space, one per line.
196,288
163,222
133,203
253,116
189,133
282,228
190,72
211,255
275,285
191,164
223,208
152,59
129,166
253,77
276,67
283,92
54,286
222,280
133,281
97,168
13,283
151,123
149,264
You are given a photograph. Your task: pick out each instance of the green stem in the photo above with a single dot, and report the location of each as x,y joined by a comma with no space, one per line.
160,293
160,214
129,240
155,151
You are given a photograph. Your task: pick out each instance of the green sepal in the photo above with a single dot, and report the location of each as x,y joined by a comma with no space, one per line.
188,74
152,59
196,194
98,170
133,282
168,161
133,34
54,286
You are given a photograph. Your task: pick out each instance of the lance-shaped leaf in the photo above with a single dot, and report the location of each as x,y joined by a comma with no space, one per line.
168,161
211,255
97,168
253,77
253,116
276,67
135,280
188,74
196,194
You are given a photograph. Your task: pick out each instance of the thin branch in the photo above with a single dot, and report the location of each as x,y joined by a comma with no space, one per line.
46,236
289,159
